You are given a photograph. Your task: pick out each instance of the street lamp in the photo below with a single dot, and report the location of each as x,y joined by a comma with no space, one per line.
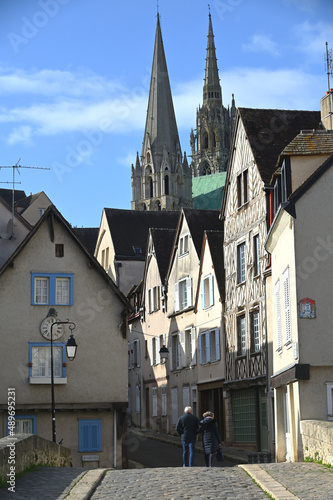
71,347
164,353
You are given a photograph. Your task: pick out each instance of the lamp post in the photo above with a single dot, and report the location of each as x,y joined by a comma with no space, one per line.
164,353
71,351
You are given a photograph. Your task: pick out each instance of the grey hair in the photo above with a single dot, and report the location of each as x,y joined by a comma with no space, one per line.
188,409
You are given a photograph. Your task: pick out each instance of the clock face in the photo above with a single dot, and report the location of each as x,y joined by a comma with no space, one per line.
45,329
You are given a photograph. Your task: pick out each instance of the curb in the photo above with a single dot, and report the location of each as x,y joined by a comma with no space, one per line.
267,483
86,486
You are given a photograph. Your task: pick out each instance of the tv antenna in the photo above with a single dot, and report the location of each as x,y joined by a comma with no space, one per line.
329,70
16,168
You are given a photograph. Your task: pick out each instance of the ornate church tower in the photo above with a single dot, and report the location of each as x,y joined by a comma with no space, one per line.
211,143
161,177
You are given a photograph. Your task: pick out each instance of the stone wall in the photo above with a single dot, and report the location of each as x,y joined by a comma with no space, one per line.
317,438
21,451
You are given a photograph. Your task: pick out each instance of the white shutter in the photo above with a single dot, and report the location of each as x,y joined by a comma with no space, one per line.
157,347
182,353
211,290
287,312
189,292
278,314
193,348
177,306
151,352
202,288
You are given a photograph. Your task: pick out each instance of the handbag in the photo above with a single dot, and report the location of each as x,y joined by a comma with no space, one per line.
219,455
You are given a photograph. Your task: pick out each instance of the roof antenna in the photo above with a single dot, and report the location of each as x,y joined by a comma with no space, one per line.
209,8
16,167
329,69
157,7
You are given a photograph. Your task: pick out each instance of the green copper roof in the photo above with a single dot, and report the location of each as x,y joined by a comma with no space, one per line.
207,191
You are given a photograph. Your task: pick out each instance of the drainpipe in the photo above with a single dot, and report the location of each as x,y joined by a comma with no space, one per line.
115,438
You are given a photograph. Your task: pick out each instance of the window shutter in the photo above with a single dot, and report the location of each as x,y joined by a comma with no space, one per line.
177,307
182,354
95,428
211,290
200,348
193,348
84,437
286,289
217,345
158,347
189,291
202,294
278,314
151,352
208,352
138,353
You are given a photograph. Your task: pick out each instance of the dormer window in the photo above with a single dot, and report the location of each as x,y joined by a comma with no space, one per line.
137,250
183,244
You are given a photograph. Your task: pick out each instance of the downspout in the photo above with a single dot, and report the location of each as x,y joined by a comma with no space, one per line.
115,438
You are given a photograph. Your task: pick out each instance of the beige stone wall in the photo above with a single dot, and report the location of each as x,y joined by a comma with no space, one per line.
31,213
317,438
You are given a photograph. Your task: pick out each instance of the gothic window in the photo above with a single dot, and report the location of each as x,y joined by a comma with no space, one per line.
166,184
144,206
205,141
206,170
150,187
148,157
213,140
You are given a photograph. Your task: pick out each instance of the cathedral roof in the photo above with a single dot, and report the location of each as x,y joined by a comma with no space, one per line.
161,126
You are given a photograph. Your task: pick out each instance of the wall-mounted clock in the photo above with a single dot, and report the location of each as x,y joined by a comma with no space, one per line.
45,328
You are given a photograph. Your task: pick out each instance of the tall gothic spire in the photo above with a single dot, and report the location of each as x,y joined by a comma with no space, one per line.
161,127
212,87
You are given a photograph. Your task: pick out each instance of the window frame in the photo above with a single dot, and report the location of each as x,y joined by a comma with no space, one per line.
241,263
154,401
90,423
153,299
183,294
52,288
207,291
183,246
241,336
256,256
255,339
242,188
47,379
33,418
209,342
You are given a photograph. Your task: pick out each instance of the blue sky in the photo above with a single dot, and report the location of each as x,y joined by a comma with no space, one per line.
74,82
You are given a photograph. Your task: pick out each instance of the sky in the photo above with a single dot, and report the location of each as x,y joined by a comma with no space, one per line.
74,82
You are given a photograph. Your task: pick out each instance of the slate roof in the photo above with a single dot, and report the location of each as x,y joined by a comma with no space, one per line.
88,236
129,229
310,142
269,131
6,194
163,240
215,241
207,191
199,221
26,201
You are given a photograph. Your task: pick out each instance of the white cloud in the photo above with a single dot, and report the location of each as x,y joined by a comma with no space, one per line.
20,135
261,43
312,38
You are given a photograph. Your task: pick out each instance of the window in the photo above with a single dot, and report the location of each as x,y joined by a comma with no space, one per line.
241,351
256,256
137,398
59,250
134,354
207,291
183,244
278,315
41,211
209,346
255,331
185,349
285,180
176,349
277,194
137,250
166,184
154,393
155,346
242,188
164,400
40,363
183,294
287,313
153,303
151,193
24,424
241,263
51,289
90,435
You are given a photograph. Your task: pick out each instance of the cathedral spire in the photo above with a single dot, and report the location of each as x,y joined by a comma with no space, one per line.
212,87
161,126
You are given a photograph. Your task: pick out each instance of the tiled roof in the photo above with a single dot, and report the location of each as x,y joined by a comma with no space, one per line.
310,142
163,242
129,229
207,191
6,194
25,202
88,236
269,131
199,221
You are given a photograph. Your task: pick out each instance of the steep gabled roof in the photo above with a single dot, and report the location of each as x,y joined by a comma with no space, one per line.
88,236
269,131
129,229
49,214
26,201
199,221
7,195
163,240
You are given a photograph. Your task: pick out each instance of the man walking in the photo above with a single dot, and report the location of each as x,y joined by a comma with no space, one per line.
188,427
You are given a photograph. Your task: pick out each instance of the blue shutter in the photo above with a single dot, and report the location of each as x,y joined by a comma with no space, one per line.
217,345
90,435
208,353
200,348
211,290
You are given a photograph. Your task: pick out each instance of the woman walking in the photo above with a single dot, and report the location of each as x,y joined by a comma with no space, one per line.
210,437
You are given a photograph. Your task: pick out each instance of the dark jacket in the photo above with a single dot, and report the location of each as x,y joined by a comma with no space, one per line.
210,435
188,427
